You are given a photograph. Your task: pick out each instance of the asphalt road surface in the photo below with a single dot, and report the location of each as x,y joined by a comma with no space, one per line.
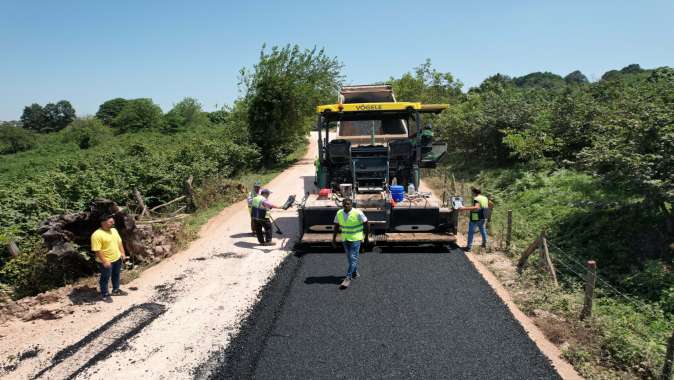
410,315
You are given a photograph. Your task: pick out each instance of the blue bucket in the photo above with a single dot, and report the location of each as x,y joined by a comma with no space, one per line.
397,192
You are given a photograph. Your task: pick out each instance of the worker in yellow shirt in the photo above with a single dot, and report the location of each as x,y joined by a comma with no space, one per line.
109,250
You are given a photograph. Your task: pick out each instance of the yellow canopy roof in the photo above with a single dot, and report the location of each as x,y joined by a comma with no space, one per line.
385,106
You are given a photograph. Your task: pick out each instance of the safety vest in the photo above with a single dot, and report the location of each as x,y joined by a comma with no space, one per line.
484,204
351,227
259,212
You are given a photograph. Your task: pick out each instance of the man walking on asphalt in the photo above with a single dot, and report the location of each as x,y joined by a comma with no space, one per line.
254,193
107,245
352,225
478,217
261,218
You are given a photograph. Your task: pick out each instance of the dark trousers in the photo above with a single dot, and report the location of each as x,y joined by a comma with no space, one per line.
114,271
263,230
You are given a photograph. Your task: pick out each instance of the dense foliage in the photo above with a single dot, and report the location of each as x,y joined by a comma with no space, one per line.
600,154
50,118
131,143
281,93
14,139
109,110
138,115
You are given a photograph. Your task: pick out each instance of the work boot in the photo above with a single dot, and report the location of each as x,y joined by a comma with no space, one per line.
119,292
466,249
106,298
267,243
345,284
356,274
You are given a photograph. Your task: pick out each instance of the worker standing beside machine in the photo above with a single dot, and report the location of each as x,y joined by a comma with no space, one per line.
479,213
261,218
255,192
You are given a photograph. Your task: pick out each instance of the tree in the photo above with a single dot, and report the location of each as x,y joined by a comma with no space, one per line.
632,69
633,143
426,85
14,139
110,109
282,91
58,116
184,114
51,118
219,116
33,117
576,77
138,115
546,80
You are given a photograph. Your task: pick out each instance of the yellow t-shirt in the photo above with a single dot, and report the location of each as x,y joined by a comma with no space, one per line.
108,243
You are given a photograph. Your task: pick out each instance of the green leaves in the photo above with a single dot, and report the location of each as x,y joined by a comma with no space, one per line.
138,115
51,118
15,139
427,85
281,93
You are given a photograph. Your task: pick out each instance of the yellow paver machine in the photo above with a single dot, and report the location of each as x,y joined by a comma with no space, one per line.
371,150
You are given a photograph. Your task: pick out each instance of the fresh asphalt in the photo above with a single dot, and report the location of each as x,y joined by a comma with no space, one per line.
410,315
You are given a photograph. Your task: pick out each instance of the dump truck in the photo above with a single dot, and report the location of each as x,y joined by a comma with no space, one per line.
377,152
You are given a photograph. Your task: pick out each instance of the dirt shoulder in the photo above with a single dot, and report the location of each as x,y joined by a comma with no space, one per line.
176,312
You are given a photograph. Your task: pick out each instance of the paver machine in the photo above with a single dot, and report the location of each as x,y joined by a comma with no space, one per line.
372,149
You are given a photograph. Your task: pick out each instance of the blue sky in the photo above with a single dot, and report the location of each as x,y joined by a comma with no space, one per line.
91,51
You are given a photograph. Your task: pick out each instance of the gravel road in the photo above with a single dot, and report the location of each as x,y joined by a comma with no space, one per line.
410,315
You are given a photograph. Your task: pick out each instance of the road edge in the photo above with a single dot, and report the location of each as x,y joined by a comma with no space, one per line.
563,368
549,349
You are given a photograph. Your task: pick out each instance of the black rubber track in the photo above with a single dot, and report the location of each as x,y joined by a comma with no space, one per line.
410,315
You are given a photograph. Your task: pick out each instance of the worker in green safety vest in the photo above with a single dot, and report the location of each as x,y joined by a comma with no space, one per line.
479,213
352,225
255,192
260,207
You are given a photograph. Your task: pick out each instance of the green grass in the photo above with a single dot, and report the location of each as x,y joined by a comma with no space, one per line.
585,219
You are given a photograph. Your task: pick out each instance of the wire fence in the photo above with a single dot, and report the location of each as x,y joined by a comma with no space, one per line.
575,268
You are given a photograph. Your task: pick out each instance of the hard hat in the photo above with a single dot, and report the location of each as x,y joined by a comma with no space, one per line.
265,191
257,184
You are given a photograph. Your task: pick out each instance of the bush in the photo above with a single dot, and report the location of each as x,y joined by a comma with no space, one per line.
86,133
184,114
15,139
29,274
138,115
109,110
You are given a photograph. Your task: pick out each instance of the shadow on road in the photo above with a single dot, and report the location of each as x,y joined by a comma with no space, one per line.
241,235
83,295
333,280
249,245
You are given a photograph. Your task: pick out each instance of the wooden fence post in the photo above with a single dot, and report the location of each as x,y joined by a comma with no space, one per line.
669,359
590,279
13,248
525,255
509,231
454,186
547,261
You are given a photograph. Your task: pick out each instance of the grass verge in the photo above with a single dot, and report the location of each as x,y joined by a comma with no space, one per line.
626,336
